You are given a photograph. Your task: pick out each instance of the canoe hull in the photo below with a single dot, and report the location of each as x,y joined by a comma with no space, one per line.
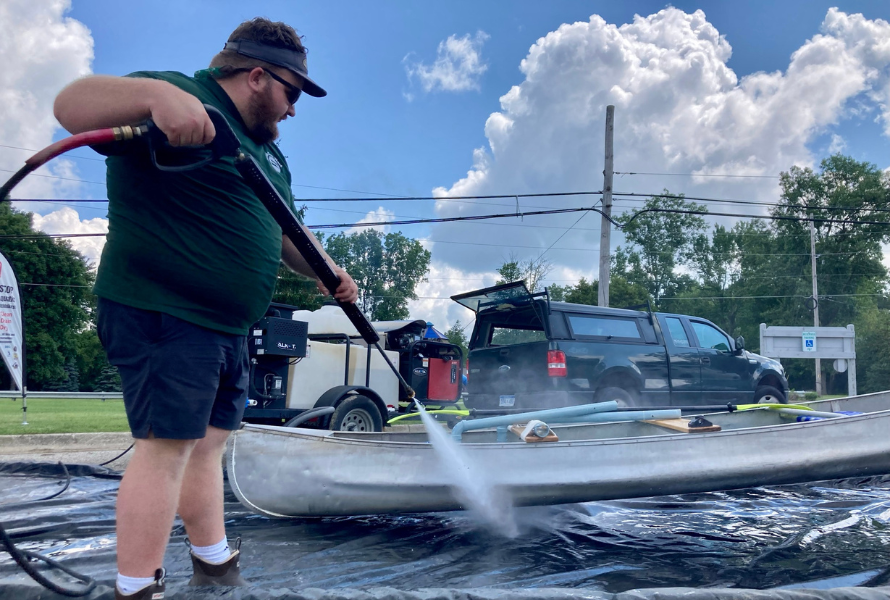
292,472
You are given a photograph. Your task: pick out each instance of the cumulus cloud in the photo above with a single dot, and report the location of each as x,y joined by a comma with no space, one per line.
679,109
66,220
375,216
457,68
42,50
433,296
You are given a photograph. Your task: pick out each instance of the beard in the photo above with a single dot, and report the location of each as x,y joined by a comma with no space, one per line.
262,123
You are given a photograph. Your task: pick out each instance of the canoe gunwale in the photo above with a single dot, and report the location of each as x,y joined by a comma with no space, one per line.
328,437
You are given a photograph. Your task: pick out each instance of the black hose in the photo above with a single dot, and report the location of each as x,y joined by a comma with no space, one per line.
61,491
108,462
24,557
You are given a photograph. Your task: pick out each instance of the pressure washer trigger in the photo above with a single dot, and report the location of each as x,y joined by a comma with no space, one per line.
225,143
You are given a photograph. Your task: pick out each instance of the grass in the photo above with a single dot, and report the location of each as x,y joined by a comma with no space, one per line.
56,415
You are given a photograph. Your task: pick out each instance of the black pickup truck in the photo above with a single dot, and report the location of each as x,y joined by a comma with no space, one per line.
528,353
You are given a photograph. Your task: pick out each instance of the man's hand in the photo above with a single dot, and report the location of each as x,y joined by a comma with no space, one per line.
100,101
182,118
346,292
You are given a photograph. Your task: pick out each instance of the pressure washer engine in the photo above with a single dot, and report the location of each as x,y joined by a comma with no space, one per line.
274,343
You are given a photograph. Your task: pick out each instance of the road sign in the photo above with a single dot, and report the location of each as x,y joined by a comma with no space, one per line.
808,339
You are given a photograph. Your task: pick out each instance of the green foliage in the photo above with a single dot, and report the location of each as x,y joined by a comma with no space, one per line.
532,271
456,336
109,380
386,268
297,290
55,310
872,339
69,382
622,293
660,242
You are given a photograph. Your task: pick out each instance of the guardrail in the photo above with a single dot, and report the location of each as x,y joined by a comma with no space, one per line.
65,395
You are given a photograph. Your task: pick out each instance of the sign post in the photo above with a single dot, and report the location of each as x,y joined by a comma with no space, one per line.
12,330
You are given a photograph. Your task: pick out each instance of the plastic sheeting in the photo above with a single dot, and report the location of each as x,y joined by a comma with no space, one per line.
828,537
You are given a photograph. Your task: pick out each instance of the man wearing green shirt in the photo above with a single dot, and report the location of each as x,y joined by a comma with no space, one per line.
189,264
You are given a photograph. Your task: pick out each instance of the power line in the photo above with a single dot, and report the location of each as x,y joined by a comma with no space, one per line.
481,197
696,175
55,177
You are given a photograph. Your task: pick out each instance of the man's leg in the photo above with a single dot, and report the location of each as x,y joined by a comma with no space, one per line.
201,495
146,504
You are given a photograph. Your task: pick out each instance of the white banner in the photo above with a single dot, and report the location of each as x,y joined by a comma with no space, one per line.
12,341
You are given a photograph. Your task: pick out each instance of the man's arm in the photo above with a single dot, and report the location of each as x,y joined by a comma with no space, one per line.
348,290
102,101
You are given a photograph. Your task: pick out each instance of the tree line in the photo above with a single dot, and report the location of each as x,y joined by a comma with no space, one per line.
757,271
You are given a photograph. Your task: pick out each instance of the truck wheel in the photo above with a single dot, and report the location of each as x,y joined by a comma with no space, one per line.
766,394
624,398
357,413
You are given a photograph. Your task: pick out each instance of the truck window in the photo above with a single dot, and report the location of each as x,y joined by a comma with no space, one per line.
678,333
710,337
589,325
506,336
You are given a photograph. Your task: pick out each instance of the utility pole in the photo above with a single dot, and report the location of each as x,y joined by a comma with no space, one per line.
606,227
815,299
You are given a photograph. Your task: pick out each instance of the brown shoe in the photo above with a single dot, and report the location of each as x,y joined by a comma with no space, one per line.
227,572
154,591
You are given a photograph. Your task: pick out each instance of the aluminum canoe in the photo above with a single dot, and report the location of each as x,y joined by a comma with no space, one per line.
288,472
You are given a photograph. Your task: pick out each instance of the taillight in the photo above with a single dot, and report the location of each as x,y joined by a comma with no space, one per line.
556,363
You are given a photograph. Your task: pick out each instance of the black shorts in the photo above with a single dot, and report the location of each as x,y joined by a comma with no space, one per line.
177,377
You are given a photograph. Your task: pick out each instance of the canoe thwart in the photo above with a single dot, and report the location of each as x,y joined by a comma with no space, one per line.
696,425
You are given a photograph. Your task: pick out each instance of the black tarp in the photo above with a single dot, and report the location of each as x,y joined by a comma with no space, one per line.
827,537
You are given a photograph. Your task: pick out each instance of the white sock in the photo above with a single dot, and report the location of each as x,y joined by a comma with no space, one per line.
131,585
216,553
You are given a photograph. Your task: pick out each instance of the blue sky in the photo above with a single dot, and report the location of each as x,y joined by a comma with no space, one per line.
380,131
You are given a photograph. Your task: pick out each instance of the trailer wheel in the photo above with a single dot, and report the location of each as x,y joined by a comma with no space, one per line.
357,413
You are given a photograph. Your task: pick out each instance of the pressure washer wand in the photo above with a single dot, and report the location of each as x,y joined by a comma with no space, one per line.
305,242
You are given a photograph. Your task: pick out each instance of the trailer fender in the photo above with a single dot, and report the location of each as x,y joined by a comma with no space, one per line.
337,394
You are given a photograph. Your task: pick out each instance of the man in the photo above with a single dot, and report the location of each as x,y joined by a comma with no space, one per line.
189,264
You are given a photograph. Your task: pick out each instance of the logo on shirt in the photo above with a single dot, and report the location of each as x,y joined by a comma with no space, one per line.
274,162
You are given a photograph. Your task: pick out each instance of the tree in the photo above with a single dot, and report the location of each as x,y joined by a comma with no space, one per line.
660,242
456,336
56,302
109,380
622,293
297,290
386,269
532,271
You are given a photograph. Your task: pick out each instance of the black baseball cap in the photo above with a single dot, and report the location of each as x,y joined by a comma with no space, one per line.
292,60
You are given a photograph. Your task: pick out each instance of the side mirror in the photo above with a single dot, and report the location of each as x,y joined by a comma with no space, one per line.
739,344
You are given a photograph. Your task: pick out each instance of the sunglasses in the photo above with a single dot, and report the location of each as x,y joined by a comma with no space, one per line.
293,92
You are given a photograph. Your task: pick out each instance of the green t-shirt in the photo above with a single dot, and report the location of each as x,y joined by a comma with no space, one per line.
198,245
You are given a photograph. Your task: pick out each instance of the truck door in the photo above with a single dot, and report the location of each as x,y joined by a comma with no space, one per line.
685,367
725,375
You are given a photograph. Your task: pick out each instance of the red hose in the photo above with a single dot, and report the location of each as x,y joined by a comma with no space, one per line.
87,138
